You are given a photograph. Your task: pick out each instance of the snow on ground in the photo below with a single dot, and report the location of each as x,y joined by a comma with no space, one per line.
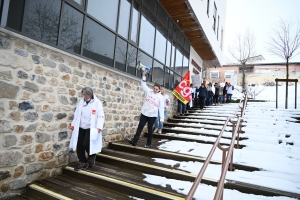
273,146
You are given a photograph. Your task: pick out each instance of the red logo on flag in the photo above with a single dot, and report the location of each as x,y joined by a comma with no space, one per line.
183,90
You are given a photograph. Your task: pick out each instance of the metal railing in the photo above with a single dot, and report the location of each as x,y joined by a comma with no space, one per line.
227,160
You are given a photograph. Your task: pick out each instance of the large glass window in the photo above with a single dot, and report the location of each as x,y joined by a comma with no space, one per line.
124,18
145,60
160,43
168,56
15,14
71,29
135,21
105,11
158,73
147,32
98,48
131,59
185,67
178,62
172,56
121,53
42,20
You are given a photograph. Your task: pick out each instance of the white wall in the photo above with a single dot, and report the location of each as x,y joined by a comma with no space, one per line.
206,21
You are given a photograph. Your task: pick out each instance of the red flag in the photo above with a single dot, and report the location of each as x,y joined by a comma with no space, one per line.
183,89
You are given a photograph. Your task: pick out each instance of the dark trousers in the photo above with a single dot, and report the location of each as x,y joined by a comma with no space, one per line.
143,120
201,102
216,99
83,144
181,107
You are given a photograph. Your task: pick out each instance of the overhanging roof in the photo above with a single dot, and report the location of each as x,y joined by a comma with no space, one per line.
182,13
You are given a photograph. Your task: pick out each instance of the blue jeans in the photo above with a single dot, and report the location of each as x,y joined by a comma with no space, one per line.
221,98
229,98
181,105
157,123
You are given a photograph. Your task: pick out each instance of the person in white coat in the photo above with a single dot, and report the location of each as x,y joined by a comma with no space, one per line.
87,127
154,102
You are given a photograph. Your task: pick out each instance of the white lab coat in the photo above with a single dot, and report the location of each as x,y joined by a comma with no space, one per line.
97,121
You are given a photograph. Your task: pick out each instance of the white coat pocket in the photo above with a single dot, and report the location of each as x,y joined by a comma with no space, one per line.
94,135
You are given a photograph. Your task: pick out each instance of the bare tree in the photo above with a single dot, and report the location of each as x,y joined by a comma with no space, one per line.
284,43
243,52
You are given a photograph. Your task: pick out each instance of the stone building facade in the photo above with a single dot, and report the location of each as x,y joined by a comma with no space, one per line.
39,89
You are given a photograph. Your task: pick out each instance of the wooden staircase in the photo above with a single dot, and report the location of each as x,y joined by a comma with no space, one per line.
121,170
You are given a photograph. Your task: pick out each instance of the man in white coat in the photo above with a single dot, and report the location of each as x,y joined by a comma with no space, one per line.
87,127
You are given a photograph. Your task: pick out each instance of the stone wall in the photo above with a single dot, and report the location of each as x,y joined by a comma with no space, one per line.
39,89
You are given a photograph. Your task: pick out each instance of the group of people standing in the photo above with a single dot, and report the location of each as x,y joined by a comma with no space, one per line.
205,96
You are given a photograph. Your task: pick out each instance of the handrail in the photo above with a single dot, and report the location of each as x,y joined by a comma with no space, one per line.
236,129
228,159
205,164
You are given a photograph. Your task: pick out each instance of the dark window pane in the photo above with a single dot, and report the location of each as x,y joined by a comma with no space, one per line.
187,45
98,48
162,16
160,43
177,79
151,5
172,85
42,20
135,22
105,11
171,23
124,18
71,30
167,78
145,60
131,59
178,63
147,32
158,73
121,52
15,14
180,37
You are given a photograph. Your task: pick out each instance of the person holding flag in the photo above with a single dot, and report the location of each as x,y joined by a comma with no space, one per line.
183,93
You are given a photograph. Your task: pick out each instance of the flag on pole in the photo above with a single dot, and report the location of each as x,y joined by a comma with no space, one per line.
183,90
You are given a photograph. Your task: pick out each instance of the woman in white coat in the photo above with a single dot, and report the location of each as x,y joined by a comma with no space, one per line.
87,127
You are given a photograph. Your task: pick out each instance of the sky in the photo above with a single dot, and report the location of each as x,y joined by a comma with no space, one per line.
265,127
261,17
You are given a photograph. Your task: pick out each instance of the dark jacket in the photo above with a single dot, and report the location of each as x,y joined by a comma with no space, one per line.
224,90
217,90
203,92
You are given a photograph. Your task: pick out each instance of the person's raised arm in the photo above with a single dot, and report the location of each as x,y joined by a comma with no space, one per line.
143,83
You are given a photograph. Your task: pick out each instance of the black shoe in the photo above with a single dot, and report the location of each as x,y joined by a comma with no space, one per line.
81,166
130,142
92,160
148,146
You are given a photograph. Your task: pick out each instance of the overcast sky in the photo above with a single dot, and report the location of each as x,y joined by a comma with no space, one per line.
261,17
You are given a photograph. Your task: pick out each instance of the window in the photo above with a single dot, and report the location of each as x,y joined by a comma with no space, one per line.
178,62
105,11
97,48
135,22
121,53
214,17
42,20
207,8
71,30
158,73
147,32
147,61
221,42
160,43
214,74
124,18
131,60
15,14
228,73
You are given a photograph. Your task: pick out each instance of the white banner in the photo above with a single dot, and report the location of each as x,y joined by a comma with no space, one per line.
196,80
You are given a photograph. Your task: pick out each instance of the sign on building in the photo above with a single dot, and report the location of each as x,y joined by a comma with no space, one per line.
196,80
